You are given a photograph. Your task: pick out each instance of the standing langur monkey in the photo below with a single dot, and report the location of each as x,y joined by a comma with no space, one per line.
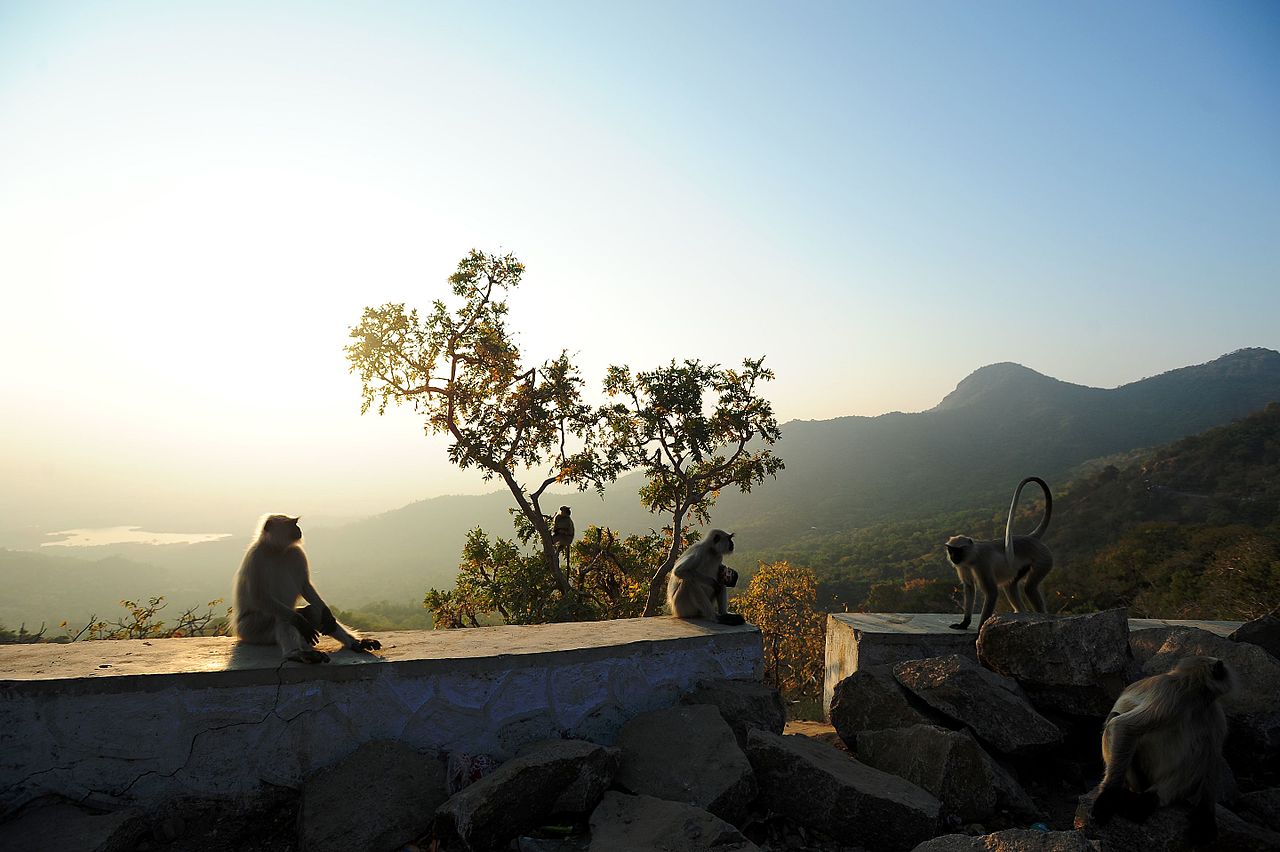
699,583
271,579
984,562
1163,744
562,533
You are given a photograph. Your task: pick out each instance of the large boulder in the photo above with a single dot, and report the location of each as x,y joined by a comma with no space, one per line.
871,699
687,754
584,792
1075,665
518,795
993,706
828,791
1261,807
379,797
1012,840
1263,632
1169,828
950,765
1253,744
55,823
622,823
743,704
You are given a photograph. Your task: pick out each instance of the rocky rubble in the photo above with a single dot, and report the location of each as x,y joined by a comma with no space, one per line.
942,754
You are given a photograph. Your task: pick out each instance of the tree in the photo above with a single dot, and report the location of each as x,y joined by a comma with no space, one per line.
689,454
781,600
462,369
609,578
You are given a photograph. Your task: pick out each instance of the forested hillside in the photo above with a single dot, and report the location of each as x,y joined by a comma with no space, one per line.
1191,529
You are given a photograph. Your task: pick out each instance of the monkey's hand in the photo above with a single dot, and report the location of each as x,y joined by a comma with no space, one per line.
366,645
309,633
308,655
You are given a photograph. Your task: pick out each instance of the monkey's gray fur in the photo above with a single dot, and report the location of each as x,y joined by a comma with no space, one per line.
695,588
1163,744
983,562
562,532
264,600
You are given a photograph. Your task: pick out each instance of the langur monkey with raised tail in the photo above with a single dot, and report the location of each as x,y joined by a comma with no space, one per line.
982,562
1163,744
271,580
699,583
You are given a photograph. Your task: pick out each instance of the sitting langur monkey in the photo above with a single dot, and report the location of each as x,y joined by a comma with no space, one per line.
700,581
562,532
271,579
983,561
1163,744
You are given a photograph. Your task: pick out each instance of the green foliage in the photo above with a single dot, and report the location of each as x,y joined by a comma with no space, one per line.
498,582
1191,530
384,615
688,427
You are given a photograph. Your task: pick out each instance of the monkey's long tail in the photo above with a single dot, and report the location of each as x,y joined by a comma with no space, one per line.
1013,508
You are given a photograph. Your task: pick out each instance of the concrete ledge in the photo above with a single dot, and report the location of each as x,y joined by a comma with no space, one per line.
858,639
143,721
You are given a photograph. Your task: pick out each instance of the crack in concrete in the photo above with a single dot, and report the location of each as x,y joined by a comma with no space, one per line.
122,791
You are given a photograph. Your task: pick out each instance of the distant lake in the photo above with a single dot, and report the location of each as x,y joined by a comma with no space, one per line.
126,535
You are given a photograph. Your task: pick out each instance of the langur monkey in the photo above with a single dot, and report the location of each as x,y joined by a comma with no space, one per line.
562,532
699,584
271,579
984,562
1163,744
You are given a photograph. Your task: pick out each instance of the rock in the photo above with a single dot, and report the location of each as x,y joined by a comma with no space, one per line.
687,754
380,797
950,765
1261,807
1169,829
622,823
1012,840
830,792
1075,665
584,792
1263,632
743,704
55,823
519,795
1253,744
1145,644
871,700
991,705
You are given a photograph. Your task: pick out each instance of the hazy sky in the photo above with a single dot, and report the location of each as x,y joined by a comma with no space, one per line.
197,200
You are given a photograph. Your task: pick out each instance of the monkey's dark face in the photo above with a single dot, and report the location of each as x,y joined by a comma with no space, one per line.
564,510
958,547
282,529
721,542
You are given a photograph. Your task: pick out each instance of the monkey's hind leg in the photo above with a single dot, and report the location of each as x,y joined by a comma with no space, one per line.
1032,588
294,647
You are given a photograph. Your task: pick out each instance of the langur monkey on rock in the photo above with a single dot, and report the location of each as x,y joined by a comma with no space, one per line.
271,579
983,562
562,532
700,581
1163,744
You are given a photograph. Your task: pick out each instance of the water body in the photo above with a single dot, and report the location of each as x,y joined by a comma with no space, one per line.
126,535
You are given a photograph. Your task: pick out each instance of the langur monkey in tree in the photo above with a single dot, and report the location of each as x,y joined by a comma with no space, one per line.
1163,744
699,583
562,532
984,562
271,579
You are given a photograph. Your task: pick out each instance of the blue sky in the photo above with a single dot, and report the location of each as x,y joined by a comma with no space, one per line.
196,200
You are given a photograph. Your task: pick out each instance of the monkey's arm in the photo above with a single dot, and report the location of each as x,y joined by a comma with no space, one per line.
330,626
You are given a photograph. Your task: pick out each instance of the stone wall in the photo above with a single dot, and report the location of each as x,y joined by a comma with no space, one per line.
142,722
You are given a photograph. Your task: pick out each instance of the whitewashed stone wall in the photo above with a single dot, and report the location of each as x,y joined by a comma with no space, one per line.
144,722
